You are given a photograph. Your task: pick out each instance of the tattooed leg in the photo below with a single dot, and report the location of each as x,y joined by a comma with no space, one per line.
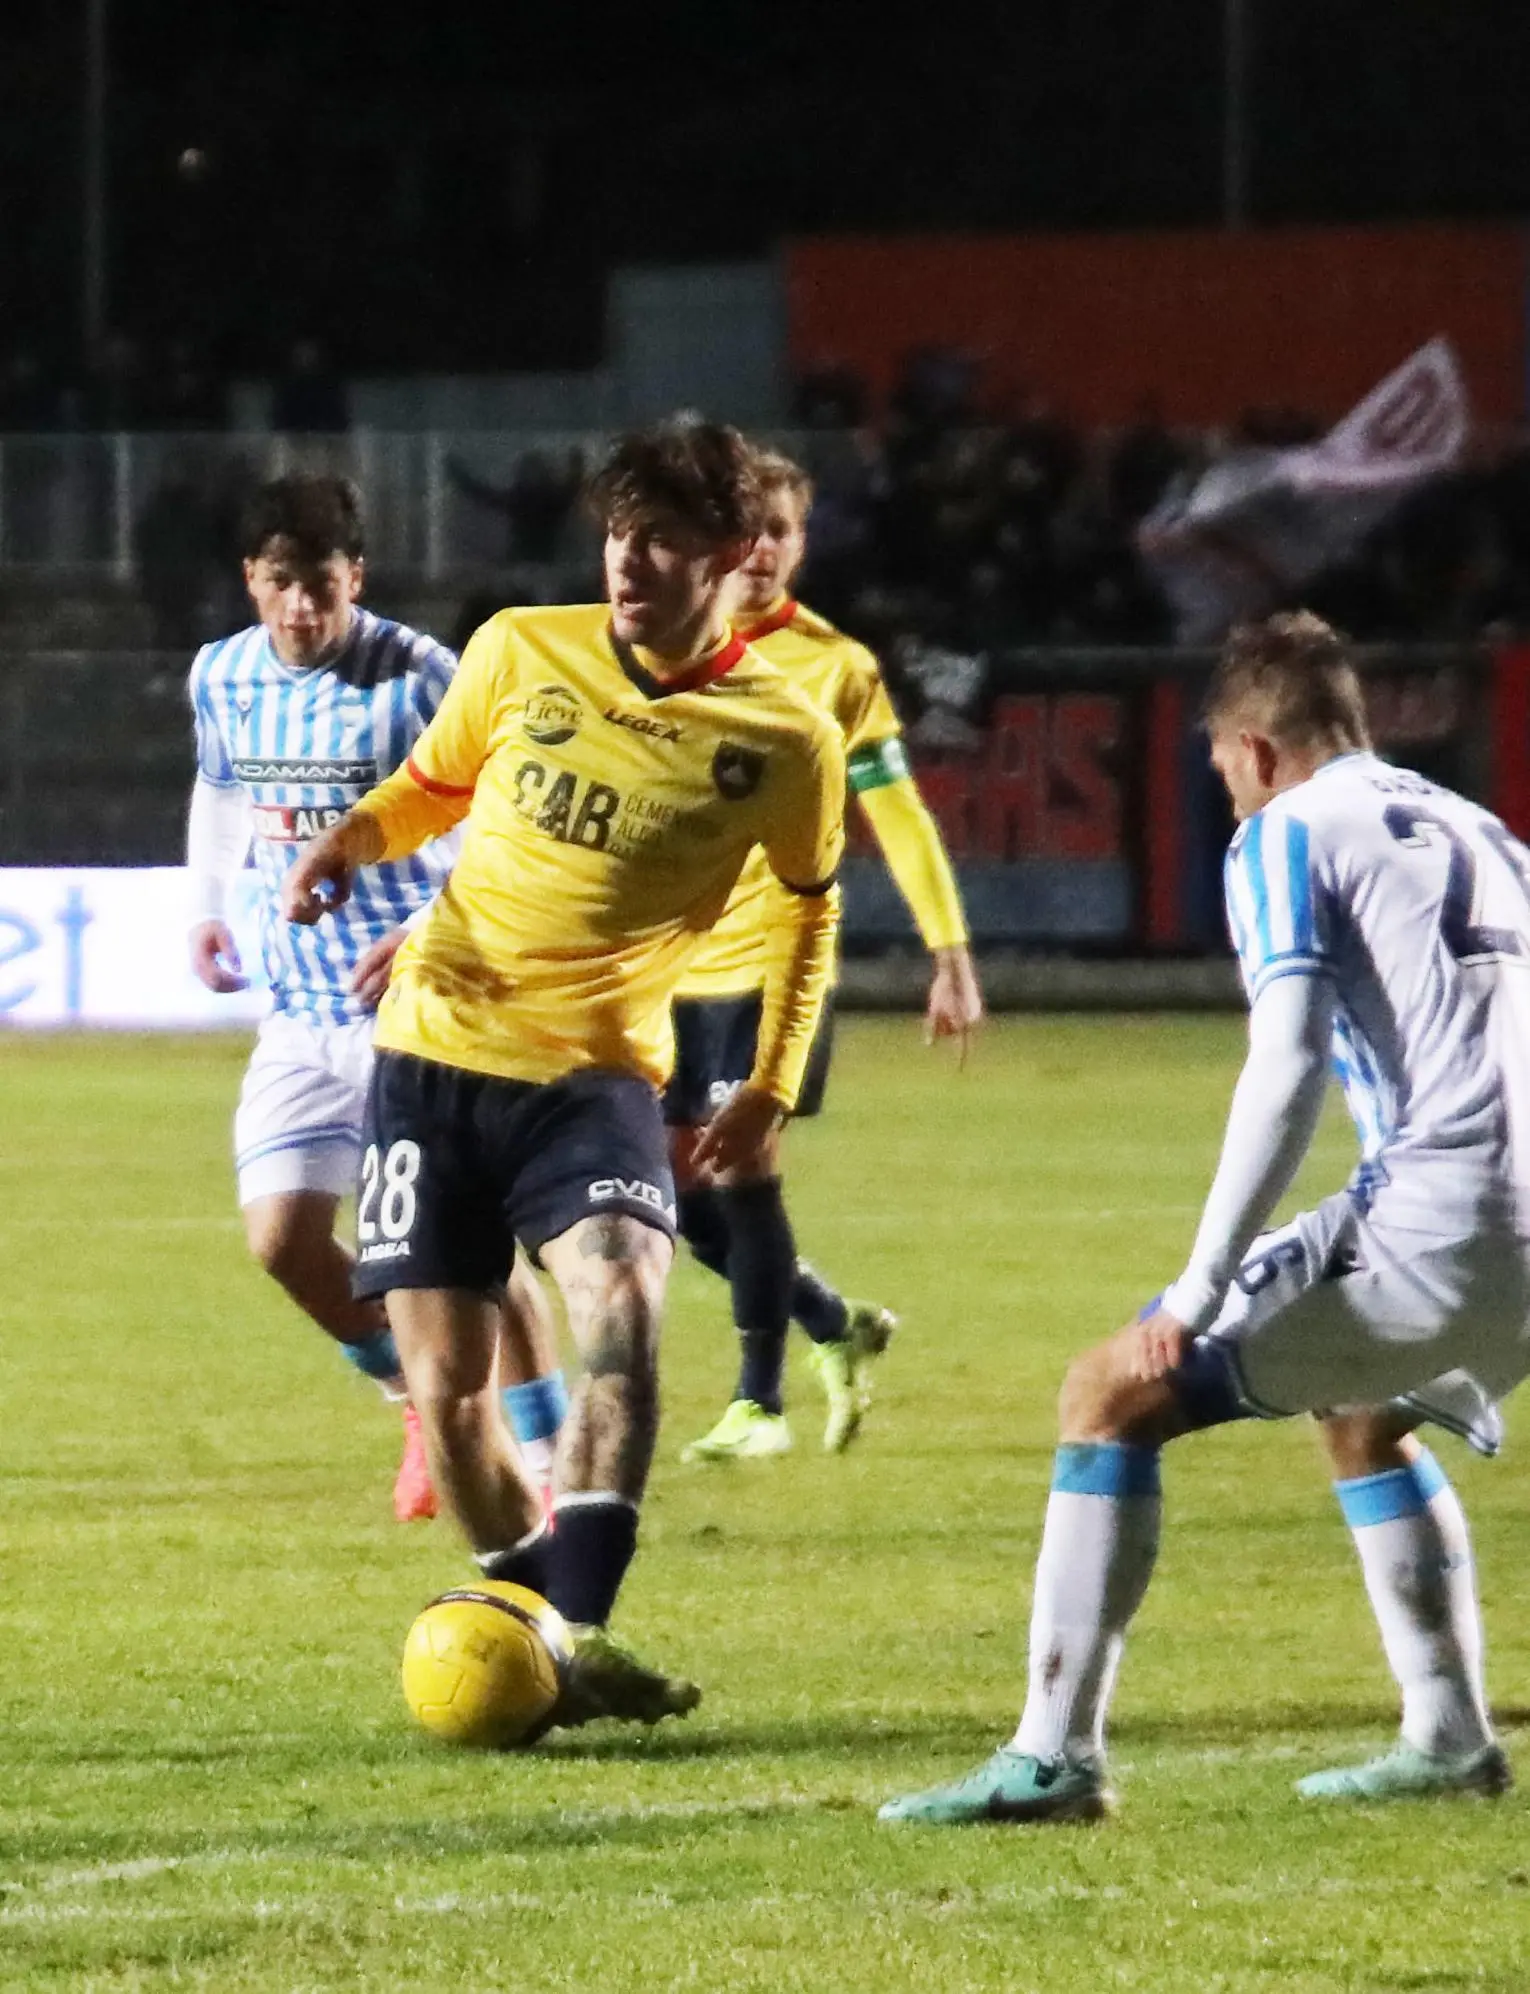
612,1273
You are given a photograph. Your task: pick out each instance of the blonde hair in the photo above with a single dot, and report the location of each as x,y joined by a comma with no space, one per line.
1291,678
778,472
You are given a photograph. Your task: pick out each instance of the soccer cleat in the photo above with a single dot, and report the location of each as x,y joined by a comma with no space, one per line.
1406,1773
1011,1786
606,1680
414,1499
844,1371
745,1432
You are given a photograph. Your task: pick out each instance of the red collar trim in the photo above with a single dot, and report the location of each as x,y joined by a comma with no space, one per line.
703,672
706,669
777,620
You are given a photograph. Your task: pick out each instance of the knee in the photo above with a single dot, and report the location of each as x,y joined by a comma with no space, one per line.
279,1240
1373,1441
1101,1401
454,1409
1083,1404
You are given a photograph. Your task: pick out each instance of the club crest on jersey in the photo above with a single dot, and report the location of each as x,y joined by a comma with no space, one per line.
737,771
552,716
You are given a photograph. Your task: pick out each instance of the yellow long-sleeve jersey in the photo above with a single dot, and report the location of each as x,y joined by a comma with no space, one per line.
608,814
843,679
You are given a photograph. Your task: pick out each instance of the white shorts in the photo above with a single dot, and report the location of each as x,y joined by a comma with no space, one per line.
1336,1310
298,1124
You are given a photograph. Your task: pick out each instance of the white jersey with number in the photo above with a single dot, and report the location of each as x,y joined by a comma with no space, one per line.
305,745
1416,903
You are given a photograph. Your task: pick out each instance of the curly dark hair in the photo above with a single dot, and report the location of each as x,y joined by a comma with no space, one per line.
705,474
319,515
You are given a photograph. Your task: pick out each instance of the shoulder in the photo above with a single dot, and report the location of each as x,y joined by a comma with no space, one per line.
547,630
215,663
381,650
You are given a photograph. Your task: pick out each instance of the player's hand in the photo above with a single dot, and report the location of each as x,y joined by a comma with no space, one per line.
955,1007
215,958
369,979
321,878
739,1134
1155,1346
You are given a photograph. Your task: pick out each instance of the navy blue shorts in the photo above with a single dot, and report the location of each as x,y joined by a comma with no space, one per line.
715,1040
457,1166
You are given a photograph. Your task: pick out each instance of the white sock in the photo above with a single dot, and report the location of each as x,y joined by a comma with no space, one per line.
1097,1554
537,1457
1410,1531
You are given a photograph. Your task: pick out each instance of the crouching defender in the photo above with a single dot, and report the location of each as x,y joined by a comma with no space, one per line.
1383,918
614,767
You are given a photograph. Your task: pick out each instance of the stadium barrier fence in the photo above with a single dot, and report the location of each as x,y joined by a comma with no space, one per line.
1072,789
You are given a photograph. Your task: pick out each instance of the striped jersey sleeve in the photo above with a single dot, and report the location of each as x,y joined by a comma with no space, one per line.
1278,907
213,764
434,666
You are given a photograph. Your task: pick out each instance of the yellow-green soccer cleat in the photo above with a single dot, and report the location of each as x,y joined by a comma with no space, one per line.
1011,1786
746,1432
844,1371
607,1680
1405,1773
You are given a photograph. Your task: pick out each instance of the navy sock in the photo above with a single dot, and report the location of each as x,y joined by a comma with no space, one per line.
704,1225
819,1308
591,1546
762,1266
524,1564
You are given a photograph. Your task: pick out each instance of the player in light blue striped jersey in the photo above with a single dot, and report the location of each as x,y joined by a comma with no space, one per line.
295,718
1383,922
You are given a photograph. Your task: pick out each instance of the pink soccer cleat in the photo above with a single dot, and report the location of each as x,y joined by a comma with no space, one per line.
414,1499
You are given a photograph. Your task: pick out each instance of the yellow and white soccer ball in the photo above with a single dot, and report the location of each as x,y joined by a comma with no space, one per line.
484,1664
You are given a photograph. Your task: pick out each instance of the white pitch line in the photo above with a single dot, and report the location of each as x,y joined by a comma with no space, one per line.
72,1222
490,1904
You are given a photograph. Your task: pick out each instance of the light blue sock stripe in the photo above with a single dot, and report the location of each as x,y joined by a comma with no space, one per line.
377,1357
1372,1499
538,1408
1107,1468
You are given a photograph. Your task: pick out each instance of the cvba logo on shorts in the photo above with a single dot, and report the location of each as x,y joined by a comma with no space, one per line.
552,716
737,771
634,1188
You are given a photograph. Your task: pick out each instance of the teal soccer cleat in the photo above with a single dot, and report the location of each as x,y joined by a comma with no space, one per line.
1011,1786
1405,1773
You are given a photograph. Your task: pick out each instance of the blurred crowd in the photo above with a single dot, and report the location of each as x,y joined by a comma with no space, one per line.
975,530
939,519
173,389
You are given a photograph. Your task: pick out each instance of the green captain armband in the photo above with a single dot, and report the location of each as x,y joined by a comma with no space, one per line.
874,767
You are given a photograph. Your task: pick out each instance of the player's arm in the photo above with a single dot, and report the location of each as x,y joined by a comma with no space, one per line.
1275,1110
217,843
1284,941
804,844
429,796
911,843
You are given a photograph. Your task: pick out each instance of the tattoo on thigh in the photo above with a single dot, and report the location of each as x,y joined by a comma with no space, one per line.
608,1239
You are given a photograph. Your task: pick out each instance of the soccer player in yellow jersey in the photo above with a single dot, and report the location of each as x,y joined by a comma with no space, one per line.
737,1224
614,767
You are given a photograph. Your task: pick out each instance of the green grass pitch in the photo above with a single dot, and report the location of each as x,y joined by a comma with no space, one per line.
207,1777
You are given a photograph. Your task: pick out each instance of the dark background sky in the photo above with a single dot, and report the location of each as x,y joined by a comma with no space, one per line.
447,187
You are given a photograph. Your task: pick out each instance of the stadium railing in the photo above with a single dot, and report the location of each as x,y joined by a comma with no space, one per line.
1072,789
